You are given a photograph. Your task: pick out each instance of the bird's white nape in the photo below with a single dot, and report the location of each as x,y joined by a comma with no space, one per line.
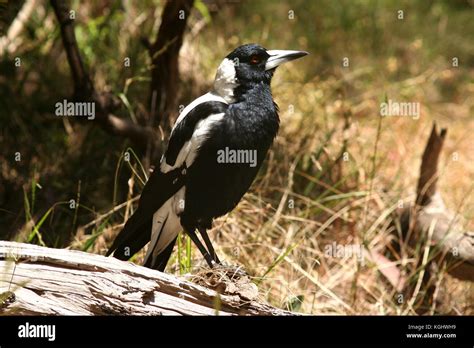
226,80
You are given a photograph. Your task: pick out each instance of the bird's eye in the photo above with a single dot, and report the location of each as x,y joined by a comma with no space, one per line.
254,59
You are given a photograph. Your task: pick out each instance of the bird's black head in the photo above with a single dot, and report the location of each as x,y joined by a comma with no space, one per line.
249,64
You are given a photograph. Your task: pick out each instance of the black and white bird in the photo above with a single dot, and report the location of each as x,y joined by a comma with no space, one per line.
192,185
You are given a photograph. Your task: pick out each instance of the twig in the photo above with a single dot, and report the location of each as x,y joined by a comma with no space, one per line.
8,42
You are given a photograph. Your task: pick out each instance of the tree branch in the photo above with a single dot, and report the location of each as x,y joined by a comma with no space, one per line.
164,53
84,89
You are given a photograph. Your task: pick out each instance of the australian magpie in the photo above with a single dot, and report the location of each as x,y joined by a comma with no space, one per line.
215,150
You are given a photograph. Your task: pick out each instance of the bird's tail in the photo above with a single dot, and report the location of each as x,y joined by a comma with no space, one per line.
157,193
165,229
134,236
161,260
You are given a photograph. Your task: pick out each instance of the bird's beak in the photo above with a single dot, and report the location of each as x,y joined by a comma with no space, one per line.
278,57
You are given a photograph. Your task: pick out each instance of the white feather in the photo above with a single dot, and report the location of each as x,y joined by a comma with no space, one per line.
226,80
189,150
210,96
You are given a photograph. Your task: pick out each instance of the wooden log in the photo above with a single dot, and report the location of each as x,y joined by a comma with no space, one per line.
36,280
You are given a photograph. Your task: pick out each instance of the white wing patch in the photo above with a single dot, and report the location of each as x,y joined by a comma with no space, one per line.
188,151
223,92
202,99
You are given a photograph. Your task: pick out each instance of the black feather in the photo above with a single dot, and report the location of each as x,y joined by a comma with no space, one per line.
162,259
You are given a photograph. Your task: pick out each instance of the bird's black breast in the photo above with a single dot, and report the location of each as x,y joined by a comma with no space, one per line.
214,188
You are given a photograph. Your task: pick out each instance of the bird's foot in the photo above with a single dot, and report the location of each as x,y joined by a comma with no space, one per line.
228,279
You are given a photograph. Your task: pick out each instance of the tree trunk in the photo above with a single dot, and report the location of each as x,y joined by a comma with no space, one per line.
43,281
164,53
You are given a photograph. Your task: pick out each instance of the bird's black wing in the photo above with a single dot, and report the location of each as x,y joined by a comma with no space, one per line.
161,186
183,131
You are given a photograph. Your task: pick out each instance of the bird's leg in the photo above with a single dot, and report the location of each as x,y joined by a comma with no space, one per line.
202,249
210,248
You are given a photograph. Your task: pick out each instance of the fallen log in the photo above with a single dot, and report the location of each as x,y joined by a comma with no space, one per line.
36,280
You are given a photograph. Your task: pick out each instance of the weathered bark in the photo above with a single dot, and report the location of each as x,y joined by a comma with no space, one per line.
36,280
